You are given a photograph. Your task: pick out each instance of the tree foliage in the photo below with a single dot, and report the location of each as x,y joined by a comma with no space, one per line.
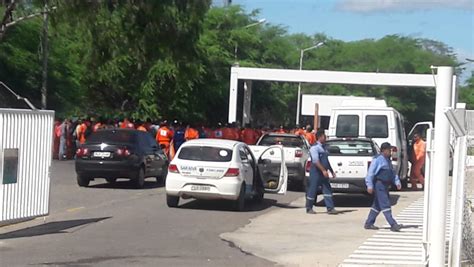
171,59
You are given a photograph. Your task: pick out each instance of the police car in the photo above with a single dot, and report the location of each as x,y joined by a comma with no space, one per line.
224,169
350,159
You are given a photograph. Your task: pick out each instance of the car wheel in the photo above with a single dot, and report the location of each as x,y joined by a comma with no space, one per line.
140,179
172,201
83,181
239,204
111,180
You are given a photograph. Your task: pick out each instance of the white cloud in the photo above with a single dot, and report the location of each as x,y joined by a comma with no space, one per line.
372,6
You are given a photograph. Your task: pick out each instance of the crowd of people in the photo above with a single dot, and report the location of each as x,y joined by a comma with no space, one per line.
70,134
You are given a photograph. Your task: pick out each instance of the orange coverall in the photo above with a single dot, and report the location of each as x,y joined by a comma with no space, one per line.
418,156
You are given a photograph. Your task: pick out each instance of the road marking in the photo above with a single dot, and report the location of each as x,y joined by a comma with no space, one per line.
75,209
394,248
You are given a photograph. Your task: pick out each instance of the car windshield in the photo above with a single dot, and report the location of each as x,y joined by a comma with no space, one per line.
205,153
112,137
286,141
350,148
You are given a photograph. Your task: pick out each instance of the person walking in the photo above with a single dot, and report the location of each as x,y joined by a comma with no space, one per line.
63,131
379,178
319,175
164,136
418,161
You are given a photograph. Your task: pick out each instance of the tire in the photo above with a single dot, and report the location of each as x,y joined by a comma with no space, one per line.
239,204
172,201
140,179
83,181
111,180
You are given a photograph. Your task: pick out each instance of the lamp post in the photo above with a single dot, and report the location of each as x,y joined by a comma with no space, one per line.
299,84
261,21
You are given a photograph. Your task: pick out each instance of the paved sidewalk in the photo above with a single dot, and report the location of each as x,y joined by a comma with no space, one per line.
290,237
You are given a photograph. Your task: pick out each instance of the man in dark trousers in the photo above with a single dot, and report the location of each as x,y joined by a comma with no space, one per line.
379,178
319,175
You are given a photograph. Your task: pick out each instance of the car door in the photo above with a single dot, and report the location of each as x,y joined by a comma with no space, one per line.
148,154
158,157
246,166
272,170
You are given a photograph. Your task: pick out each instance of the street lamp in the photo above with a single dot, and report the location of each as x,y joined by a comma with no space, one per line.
299,84
261,21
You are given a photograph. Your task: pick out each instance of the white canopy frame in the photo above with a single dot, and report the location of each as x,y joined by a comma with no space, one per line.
446,96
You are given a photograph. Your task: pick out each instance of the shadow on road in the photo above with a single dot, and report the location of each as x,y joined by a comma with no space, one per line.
102,184
224,205
50,228
356,200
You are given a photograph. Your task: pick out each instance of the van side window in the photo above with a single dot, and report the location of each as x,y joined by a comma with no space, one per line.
347,126
376,126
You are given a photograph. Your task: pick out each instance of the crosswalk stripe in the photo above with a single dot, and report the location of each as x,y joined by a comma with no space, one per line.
394,248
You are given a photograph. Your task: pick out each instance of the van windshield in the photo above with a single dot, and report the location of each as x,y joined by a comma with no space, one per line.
347,126
376,126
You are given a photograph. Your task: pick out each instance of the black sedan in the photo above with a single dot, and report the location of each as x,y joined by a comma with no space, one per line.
120,153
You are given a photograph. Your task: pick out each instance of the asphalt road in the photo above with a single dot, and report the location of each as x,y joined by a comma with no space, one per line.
106,225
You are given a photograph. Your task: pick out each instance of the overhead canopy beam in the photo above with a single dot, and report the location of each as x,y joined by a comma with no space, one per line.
321,76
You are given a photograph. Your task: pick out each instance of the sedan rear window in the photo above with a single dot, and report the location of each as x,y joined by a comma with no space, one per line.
286,141
351,148
205,153
117,137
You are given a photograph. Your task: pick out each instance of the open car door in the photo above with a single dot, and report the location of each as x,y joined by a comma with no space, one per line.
272,170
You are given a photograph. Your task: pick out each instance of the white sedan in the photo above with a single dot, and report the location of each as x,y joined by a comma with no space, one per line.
224,169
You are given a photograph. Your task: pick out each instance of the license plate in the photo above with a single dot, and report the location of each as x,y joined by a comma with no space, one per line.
200,188
101,154
340,186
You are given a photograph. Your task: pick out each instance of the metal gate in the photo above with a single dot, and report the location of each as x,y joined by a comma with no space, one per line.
25,159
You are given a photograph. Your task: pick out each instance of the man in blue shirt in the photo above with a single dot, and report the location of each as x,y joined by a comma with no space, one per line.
319,176
379,178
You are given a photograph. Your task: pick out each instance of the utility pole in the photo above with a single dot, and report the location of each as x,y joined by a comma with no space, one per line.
44,46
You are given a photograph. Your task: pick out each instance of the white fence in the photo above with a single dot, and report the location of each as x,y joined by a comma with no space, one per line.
25,159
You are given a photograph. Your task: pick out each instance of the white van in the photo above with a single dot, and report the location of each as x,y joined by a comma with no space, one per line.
373,120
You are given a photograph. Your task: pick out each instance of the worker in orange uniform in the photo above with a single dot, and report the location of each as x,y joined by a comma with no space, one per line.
235,132
191,133
309,135
418,160
300,131
164,136
281,130
126,124
249,135
141,126
82,131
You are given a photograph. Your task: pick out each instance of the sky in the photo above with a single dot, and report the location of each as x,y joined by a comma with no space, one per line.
447,21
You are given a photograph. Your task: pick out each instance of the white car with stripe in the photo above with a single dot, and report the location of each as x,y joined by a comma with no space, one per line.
225,169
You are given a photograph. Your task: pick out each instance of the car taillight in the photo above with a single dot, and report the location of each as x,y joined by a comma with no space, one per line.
298,153
173,168
394,153
124,152
82,152
308,166
232,172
